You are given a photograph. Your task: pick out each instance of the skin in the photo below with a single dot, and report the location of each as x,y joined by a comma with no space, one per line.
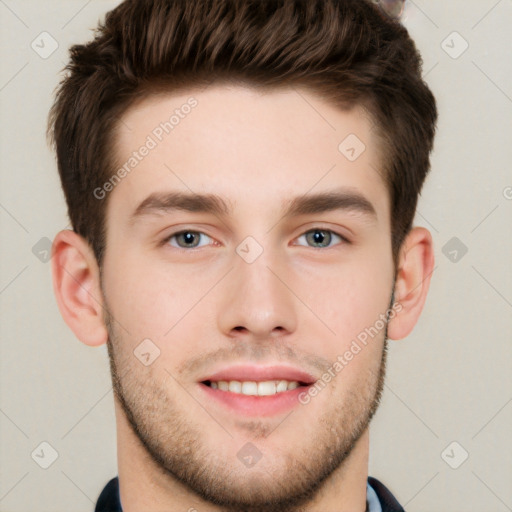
298,303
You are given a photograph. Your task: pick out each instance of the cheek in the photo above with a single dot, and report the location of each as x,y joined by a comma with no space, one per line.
354,308
167,307
347,298
367,297
145,302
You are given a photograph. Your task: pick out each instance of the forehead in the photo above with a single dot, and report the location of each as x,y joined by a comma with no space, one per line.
252,147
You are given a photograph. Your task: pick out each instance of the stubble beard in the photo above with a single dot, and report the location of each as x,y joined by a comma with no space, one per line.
177,446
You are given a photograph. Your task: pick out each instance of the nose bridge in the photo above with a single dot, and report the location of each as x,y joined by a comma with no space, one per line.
255,298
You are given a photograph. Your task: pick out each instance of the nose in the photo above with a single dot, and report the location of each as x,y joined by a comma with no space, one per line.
257,300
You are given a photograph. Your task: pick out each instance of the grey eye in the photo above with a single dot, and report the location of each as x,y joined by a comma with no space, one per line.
320,238
187,239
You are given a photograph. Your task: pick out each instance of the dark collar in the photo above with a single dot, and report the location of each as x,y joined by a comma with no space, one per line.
108,500
387,500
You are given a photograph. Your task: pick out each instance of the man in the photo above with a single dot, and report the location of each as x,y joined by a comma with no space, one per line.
242,177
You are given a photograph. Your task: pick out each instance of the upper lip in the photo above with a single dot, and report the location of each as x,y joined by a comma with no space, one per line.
260,373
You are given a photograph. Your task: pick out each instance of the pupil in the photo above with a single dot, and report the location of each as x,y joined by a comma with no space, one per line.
189,237
319,236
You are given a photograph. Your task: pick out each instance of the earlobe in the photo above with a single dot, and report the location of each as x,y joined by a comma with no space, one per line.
76,283
415,267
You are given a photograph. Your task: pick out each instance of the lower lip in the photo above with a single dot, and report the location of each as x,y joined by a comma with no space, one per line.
248,405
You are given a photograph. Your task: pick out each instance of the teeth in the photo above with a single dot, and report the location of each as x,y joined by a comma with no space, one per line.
267,388
235,386
251,388
282,385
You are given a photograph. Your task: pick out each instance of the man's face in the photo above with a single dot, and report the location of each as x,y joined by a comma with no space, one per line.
254,293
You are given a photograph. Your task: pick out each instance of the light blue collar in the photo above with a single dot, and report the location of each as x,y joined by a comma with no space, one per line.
372,500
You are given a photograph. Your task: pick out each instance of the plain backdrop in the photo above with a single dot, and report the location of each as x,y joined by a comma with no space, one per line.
441,438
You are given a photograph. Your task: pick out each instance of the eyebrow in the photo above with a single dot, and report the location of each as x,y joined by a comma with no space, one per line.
322,202
166,202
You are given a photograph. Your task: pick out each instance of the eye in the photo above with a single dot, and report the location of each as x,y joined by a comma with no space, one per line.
317,238
186,239
321,238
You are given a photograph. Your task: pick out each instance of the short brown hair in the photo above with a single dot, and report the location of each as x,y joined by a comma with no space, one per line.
346,51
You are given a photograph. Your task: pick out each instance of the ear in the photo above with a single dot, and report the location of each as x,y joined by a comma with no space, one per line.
76,283
415,267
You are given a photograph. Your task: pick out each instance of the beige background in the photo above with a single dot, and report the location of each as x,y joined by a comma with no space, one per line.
450,381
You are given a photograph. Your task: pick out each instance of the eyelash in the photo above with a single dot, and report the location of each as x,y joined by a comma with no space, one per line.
167,239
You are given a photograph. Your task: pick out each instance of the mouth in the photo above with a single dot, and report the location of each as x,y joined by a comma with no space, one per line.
256,390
